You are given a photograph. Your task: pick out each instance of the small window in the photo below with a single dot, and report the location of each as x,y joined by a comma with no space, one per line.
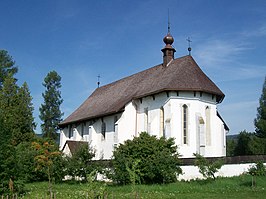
185,124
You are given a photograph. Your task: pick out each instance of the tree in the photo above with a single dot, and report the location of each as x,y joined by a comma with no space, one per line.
152,160
249,144
80,163
17,109
260,121
6,66
47,153
50,112
206,168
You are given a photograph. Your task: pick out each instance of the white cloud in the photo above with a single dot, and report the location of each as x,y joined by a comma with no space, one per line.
259,32
213,53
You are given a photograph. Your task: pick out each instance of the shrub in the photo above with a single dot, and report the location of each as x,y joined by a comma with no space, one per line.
80,163
258,169
206,168
157,160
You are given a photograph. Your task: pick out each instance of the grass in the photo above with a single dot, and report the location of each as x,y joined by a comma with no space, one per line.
235,187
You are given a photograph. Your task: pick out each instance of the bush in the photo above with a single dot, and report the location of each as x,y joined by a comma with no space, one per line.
258,169
80,163
157,161
206,168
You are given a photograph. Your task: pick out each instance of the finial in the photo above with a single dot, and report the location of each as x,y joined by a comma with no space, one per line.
98,83
189,48
168,22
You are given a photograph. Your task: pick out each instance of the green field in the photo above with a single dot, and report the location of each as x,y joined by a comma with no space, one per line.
236,187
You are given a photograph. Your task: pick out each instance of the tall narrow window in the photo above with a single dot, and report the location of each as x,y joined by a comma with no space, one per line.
70,131
103,131
161,121
115,120
82,129
115,130
208,125
185,124
146,122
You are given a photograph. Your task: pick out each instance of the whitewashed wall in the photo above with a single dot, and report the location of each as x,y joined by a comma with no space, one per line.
227,170
132,121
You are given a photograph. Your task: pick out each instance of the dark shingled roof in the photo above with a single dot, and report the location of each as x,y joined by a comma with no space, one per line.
181,74
74,145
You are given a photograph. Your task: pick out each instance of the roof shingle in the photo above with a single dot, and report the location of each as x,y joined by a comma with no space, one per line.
181,74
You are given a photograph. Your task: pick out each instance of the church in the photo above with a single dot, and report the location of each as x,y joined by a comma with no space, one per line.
173,99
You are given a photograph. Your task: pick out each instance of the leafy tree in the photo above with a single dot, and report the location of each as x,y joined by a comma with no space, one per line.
230,147
50,112
157,160
260,121
257,170
249,144
47,153
206,168
17,109
6,66
80,163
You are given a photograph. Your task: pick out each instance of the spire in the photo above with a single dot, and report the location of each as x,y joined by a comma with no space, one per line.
168,50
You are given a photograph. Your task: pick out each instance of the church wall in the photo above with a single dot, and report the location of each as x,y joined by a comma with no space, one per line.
145,114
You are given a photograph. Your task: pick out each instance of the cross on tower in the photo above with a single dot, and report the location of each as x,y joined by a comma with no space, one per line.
98,83
189,48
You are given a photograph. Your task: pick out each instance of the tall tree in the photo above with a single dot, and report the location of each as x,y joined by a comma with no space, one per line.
6,66
260,121
17,109
50,112
25,111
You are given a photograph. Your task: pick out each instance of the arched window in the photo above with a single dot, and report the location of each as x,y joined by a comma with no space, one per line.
208,125
162,122
185,124
103,130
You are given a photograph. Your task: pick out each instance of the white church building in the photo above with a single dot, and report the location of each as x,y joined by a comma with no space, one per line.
173,99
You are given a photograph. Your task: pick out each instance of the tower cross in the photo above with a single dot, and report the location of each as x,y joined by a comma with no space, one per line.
98,83
189,47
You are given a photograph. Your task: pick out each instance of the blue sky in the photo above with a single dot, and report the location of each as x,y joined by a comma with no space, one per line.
82,39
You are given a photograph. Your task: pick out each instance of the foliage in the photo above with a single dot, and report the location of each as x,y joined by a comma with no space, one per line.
19,187
207,168
249,144
7,67
50,112
260,121
45,159
134,173
158,160
230,147
80,163
17,110
258,169
7,153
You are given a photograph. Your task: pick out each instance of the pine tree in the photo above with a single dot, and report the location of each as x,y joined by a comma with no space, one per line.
25,111
17,110
6,66
50,112
260,121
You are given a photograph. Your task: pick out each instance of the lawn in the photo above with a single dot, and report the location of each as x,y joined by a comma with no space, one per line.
235,187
